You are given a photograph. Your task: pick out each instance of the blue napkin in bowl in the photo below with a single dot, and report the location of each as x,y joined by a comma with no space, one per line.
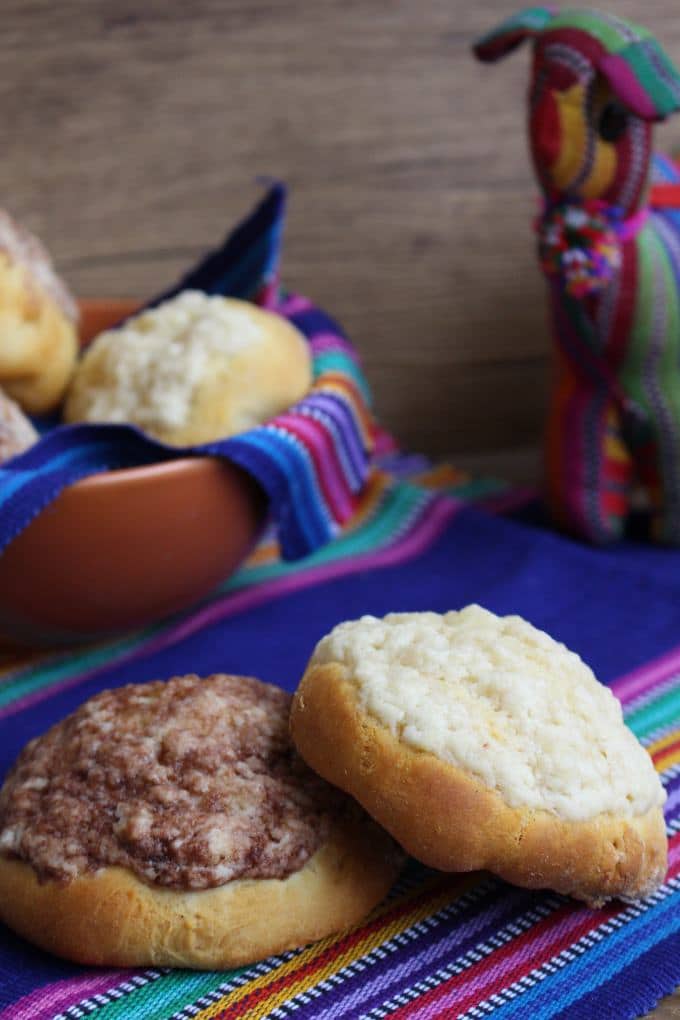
312,461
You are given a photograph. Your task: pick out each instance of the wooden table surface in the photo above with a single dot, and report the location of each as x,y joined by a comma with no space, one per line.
133,135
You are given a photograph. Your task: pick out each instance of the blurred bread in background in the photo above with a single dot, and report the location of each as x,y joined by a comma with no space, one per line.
38,321
16,431
192,370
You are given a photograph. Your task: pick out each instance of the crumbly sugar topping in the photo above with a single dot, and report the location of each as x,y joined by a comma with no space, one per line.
28,251
188,783
149,369
503,701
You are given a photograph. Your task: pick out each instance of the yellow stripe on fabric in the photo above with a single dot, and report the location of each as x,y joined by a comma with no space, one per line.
615,450
667,760
369,500
662,742
370,497
571,105
430,905
269,552
265,553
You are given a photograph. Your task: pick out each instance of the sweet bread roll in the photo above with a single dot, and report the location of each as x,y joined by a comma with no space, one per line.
479,742
38,320
16,431
173,824
194,369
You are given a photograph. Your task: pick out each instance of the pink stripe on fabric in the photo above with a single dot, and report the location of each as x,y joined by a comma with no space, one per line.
291,305
640,680
317,439
673,855
332,341
383,442
410,546
627,87
525,954
420,535
45,1002
632,226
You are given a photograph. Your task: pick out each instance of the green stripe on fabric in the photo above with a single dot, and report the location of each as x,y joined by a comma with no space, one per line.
371,536
646,70
533,19
159,999
666,375
530,17
389,517
336,361
671,345
471,491
397,501
612,38
661,710
632,371
650,369
35,678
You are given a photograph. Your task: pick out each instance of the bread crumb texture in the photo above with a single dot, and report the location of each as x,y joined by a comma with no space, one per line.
503,701
187,783
147,371
26,250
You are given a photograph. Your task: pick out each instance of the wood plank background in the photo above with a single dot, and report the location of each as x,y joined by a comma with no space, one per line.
133,134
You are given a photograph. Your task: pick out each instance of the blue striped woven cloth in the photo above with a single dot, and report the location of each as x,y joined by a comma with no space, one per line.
312,461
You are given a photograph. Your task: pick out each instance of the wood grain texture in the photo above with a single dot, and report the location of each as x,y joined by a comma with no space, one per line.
137,131
133,134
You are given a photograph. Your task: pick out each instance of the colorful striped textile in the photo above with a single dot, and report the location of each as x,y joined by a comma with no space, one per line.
612,260
311,461
440,946
615,416
633,62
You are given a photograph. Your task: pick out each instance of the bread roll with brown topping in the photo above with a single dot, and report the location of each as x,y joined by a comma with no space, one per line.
173,824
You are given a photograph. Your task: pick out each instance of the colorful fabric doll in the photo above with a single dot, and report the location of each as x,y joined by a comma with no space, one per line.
610,248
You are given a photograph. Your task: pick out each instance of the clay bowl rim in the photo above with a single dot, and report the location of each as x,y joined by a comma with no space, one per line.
117,476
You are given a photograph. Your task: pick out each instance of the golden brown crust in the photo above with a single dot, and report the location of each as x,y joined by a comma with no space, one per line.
250,390
449,820
112,918
234,394
39,341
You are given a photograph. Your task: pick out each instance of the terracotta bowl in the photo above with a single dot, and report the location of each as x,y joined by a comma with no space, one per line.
122,549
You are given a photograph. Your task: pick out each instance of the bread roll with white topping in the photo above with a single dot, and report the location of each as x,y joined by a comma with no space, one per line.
195,369
479,742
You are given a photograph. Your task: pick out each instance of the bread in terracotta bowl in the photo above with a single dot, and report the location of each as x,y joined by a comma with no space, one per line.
122,549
